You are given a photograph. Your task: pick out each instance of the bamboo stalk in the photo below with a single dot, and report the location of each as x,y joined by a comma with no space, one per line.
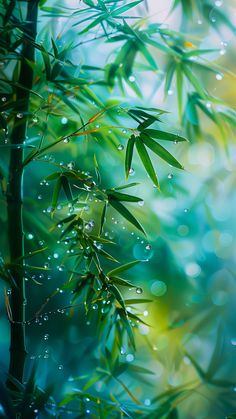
15,197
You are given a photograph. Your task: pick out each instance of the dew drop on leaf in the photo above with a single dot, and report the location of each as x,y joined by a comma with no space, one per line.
30,236
219,76
139,290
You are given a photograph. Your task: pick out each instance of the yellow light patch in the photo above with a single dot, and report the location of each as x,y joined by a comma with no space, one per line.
188,44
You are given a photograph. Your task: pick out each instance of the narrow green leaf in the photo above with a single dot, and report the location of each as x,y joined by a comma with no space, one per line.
103,218
67,189
161,151
123,268
179,86
125,8
143,154
129,155
124,197
163,135
56,192
126,214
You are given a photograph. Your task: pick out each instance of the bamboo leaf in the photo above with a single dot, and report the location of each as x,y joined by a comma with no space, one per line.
143,154
123,268
163,135
126,214
129,155
56,192
161,151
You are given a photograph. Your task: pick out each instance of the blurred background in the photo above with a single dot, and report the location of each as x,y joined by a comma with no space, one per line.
188,256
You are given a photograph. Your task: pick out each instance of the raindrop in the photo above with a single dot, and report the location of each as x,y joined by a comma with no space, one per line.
64,120
131,172
170,176
129,358
141,203
199,22
19,115
55,255
60,367
139,290
30,236
95,306
40,197
170,92
45,318
186,210
219,76
35,119
132,79
46,336
71,165
4,99
147,402
148,247
120,147
66,140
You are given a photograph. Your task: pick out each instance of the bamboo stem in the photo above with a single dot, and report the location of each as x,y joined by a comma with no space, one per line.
15,196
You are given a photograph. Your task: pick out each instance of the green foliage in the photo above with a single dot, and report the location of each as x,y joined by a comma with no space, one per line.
82,111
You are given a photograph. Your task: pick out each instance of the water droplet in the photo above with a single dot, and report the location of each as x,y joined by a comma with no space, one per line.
222,51
148,247
132,79
218,3
186,210
60,367
45,317
131,172
170,176
219,76
233,342
97,125
129,358
4,99
170,92
71,165
145,313
30,236
147,402
136,132
66,140
122,350
64,120
19,115
46,336
141,203
95,306
120,147
199,22
139,290
55,255
35,119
